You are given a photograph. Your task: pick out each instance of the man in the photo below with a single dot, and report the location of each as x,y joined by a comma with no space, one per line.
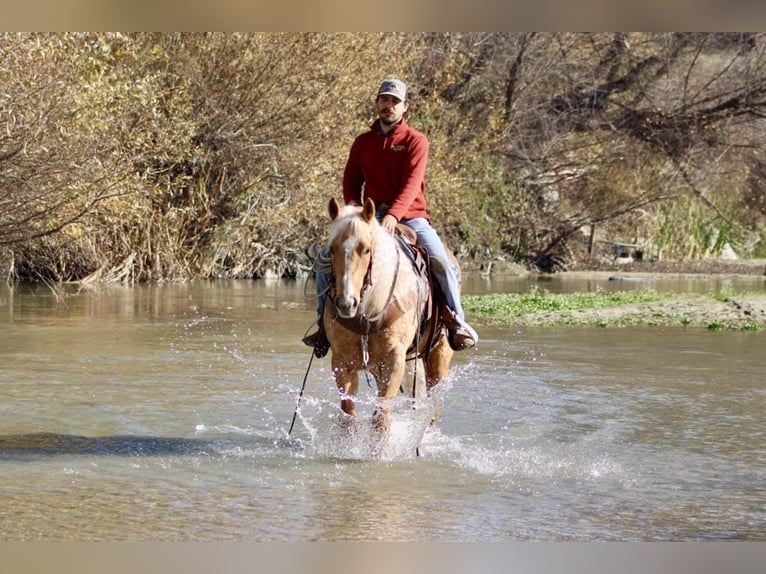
388,163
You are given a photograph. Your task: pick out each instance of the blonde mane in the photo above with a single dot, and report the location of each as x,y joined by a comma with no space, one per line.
349,215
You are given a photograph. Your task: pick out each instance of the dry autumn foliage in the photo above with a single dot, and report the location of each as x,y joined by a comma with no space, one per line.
149,157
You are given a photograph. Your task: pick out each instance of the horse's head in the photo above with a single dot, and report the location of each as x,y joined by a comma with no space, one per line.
352,242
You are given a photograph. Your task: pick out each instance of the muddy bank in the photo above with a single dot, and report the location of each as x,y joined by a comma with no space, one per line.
743,312
734,311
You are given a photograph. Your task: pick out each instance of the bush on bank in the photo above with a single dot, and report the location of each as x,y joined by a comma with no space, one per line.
150,157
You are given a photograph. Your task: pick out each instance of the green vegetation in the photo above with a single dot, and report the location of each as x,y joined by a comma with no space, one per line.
504,307
615,309
130,157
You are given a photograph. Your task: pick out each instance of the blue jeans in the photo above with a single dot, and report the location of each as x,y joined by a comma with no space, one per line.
446,274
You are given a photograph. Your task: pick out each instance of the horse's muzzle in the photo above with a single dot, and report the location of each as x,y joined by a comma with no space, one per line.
347,306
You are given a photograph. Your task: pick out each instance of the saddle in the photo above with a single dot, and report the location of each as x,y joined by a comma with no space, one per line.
435,308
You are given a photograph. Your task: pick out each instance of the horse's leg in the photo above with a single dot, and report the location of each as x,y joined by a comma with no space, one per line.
437,369
437,366
348,385
389,377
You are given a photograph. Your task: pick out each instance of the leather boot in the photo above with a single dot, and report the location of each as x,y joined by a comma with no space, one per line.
318,340
460,334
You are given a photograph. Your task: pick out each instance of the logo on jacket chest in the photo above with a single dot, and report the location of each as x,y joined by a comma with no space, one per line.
398,148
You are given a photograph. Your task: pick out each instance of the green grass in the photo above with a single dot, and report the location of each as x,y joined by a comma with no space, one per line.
505,305
540,307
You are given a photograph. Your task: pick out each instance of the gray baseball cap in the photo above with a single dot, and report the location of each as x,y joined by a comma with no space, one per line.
393,87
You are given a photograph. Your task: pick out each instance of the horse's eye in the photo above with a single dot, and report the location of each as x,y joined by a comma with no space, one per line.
366,251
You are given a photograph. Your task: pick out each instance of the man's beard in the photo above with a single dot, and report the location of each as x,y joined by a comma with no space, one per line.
389,123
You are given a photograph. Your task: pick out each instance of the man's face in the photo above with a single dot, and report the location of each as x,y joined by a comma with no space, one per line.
390,109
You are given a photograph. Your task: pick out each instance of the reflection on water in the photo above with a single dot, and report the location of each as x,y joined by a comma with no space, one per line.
161,413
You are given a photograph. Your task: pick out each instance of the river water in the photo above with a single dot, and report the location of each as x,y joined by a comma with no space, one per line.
161,412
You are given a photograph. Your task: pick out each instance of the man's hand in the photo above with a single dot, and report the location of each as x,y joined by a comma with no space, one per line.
389,223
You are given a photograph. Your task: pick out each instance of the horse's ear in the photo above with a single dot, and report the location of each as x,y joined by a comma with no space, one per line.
368,211
333,208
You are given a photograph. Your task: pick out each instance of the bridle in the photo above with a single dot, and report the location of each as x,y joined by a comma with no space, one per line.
360,323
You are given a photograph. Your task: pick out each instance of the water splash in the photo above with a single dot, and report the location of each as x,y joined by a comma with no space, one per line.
332,434
491,457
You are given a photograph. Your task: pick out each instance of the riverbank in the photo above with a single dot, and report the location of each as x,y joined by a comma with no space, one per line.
714,311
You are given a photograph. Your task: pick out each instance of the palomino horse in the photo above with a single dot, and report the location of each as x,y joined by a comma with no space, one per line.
379,312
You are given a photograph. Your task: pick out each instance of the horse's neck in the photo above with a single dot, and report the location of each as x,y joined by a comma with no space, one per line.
386,270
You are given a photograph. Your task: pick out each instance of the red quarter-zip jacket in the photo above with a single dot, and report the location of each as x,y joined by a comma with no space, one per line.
391,168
